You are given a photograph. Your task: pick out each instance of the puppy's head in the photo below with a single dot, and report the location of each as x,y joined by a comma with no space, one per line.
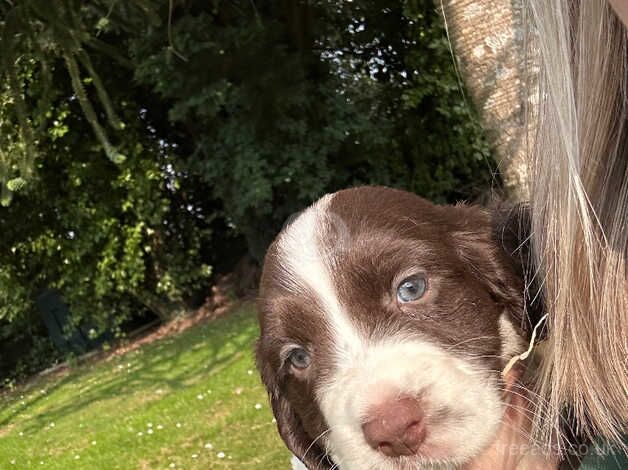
385,323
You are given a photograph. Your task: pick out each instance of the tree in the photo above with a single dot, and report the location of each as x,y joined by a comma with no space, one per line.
279,102
114,236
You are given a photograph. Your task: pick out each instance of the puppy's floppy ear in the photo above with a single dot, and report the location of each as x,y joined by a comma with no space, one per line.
288,422
512,232
494,245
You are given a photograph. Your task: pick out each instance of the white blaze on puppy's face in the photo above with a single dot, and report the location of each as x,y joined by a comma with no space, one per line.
307,261
460,398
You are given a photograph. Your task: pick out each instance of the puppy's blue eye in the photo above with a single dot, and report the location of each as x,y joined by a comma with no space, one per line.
411,288
300,358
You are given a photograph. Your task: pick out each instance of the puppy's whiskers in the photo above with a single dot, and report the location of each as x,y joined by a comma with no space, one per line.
470,340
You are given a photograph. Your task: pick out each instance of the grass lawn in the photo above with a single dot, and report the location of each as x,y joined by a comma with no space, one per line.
192,400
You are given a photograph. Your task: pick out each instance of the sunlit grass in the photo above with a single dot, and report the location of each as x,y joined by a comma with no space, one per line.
193,400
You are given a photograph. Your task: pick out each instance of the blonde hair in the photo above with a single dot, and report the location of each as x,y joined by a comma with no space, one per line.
578,187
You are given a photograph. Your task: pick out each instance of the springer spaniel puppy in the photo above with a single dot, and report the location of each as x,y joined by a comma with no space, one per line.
385,323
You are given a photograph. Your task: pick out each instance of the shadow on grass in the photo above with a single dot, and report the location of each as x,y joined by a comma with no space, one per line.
164,363
35,400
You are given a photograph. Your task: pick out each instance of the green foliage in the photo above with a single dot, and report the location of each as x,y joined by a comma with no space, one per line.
106,241
281,110
141,142
113,237
36,39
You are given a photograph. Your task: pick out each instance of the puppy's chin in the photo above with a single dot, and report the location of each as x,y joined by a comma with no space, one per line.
458,407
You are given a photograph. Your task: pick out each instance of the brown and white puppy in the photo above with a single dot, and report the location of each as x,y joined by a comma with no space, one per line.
385,323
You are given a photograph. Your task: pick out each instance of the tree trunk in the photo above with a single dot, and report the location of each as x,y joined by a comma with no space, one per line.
489,41
165,309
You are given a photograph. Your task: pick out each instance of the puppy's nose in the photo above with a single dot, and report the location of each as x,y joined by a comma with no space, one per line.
395,428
